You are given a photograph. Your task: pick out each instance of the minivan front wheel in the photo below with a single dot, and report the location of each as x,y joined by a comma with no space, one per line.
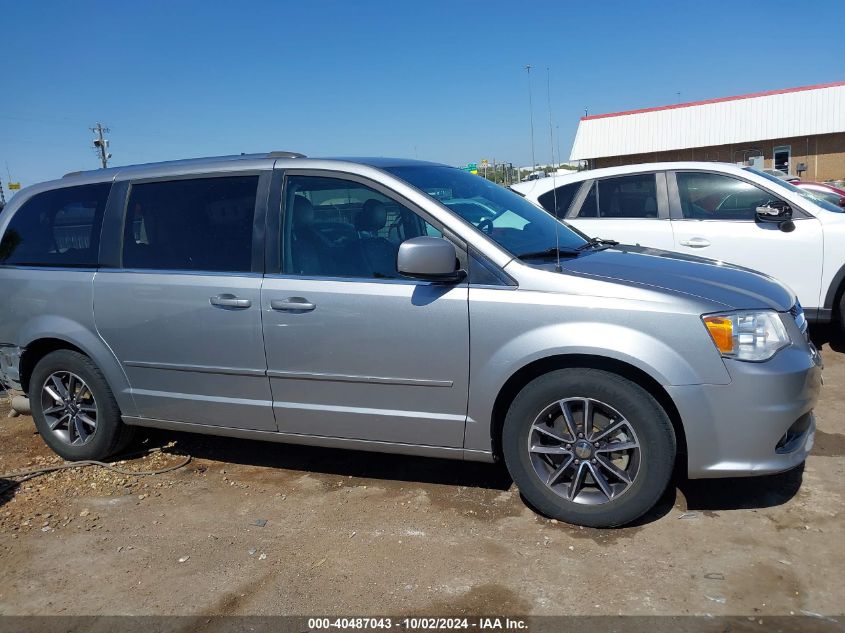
588,447
74,408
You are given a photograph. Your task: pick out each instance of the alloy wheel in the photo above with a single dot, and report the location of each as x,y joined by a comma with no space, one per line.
584,450
69,408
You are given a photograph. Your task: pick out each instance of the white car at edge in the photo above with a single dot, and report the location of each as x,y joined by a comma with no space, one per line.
717,210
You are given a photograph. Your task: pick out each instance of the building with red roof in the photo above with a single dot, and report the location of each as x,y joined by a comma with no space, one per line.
800,131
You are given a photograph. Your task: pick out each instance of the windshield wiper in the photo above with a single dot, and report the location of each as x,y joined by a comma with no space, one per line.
551,252
595,242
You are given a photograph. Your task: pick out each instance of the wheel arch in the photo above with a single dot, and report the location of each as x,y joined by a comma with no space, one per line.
539,367
38,349
835,290
54,333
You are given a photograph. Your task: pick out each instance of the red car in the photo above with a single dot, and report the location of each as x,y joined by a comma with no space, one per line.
824,191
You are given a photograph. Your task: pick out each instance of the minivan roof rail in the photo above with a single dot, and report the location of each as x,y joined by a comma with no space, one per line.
283,154
277,154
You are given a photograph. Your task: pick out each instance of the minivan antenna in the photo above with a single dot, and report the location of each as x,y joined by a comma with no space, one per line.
554,167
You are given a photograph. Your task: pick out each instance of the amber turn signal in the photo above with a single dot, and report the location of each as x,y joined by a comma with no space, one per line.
722,332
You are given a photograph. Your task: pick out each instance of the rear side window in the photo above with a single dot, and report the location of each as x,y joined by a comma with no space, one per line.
628,197
202,224
563,196
590,207
57,228
623,197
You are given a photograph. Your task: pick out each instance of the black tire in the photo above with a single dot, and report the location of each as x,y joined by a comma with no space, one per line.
839,318
650,424
111,434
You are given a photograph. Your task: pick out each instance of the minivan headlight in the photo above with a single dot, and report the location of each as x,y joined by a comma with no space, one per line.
746,335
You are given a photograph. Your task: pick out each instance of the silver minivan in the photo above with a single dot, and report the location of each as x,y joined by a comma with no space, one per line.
395,306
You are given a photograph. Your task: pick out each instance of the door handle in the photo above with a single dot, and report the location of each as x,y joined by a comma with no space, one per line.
695,242
230,301
292,304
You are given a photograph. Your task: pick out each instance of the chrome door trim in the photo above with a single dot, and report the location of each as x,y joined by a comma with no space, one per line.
169,271
73,269
378,380
203,369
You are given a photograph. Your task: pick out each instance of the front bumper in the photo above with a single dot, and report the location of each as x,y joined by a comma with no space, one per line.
10,361
760,423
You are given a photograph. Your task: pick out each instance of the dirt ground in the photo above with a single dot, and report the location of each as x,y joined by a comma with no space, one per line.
260,528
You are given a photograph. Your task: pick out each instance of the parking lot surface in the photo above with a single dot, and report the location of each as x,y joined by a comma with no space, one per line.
261,528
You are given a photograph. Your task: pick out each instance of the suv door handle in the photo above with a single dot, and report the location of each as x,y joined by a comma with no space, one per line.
230,301
292,304
695,242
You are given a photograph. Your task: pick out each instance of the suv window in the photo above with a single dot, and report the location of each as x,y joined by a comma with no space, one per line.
57,228
340,228
706,196
632,196
564,196
202,224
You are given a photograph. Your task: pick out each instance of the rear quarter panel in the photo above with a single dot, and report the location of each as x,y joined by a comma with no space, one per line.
57,303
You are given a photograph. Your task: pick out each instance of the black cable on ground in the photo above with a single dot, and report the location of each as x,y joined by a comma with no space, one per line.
26,475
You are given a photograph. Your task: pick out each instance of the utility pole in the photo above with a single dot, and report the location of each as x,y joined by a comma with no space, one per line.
531,116
101,144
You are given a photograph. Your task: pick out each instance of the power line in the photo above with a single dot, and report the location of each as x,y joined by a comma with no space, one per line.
101,144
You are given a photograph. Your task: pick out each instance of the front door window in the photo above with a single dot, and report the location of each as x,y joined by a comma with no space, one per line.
341,228
707,196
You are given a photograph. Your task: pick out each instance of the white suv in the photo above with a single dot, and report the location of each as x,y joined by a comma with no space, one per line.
717,210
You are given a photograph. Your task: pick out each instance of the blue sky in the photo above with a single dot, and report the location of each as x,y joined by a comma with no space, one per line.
443,81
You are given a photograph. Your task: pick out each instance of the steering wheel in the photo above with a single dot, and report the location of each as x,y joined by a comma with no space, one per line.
486,225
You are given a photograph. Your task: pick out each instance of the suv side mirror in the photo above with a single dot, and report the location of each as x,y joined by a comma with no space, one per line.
777,212
429,259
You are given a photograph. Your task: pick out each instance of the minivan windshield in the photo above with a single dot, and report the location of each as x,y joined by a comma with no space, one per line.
824,204
524,230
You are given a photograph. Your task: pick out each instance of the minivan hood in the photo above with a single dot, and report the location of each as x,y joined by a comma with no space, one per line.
733,286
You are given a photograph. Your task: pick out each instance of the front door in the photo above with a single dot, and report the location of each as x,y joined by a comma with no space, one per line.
716,219
354,350
183,312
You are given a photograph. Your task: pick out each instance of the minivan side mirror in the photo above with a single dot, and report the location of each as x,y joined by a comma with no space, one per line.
776,212
429,259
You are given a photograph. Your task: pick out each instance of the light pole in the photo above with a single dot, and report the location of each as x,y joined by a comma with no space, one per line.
557,133
531,116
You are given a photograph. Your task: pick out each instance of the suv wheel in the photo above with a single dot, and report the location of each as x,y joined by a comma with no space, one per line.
74,409
588,447
839,316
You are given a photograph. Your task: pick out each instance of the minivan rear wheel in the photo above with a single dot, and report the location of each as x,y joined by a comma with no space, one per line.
74,409
588,447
